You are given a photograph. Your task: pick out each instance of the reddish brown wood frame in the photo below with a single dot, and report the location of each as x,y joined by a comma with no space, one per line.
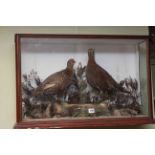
77,123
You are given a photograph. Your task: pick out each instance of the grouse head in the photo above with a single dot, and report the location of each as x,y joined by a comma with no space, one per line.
70,63
91,54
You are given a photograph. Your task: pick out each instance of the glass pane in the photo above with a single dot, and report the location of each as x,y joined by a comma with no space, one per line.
153,85
83,78
143,77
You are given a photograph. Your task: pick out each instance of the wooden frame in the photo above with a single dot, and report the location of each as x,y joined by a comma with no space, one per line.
78,123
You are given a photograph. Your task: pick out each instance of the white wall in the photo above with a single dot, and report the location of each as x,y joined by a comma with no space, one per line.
7,60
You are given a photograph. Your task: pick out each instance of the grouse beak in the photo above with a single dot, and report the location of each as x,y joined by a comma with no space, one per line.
74,61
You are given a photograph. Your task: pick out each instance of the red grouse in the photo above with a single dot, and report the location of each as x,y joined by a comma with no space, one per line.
57,82
98,77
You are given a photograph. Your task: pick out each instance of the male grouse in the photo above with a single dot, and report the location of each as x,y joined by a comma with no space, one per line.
98,77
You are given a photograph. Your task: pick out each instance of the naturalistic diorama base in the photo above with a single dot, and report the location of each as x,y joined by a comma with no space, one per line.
80,100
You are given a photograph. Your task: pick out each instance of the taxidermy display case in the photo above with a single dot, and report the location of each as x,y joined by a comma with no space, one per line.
82,81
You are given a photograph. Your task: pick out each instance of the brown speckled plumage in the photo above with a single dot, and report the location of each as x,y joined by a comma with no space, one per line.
57,82
98,77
